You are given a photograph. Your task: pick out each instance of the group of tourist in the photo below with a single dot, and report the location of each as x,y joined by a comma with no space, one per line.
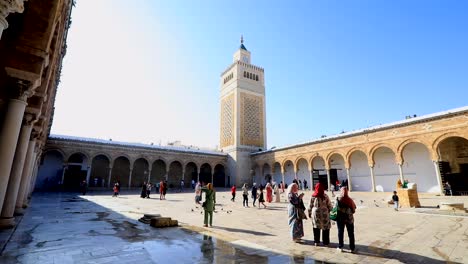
258,193
146,190
319,210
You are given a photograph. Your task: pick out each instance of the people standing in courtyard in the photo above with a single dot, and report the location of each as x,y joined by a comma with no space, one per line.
233,193
305,184
193,184
277,194
143,190
148,189
164,189
209,204
161,190
83,187
282,186
116,190
261,199
198,193
295,221
300,185
245,195
448,189
395,200
346,209
319,210
254,193
182,185
269,193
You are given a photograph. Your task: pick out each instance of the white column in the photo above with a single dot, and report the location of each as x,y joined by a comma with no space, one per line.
149,175
328,179
282,177
130,178
7,7
350,186
400,168
212,176
198,173
31,180
88,174
10,132
372,177
109,177
65,167
25,177
7,219
295,174
311,184
32,183
439,177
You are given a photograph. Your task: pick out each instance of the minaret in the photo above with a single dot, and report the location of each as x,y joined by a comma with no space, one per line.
243,123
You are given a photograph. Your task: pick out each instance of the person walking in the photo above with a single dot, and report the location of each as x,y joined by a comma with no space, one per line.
254,193
193,184
143,190
116,190
277,194
209,204
84,187
164,189
319,211
346,209
282,186
295,221
245,195
261,199
305,184
300,185
148,189
269,193
198,193
395,200
233,192
161,190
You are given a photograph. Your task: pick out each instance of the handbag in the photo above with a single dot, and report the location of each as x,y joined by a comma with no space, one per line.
334,212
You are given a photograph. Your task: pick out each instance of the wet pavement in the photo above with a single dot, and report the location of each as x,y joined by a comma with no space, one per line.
65,228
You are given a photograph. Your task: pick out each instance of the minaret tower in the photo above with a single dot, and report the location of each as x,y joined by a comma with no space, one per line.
243,123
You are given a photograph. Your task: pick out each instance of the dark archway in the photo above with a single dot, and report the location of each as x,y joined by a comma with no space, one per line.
175,174
190,173
205,173
219,177
453,164
121,171
75,172
158,171
99,171
140,172
50,171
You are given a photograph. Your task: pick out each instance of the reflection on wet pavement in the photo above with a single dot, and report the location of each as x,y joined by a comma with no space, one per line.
62,228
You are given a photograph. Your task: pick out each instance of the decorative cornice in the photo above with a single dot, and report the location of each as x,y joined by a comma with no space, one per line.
10,6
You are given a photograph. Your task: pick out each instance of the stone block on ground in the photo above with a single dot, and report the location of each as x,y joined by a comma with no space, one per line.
408,198
163,222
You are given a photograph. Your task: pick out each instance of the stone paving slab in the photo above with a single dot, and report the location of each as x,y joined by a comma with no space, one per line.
98,228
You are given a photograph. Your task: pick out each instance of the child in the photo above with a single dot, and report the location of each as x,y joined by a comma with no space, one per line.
261,200
233,192
395,200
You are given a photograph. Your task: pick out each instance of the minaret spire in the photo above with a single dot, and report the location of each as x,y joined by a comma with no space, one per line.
242,39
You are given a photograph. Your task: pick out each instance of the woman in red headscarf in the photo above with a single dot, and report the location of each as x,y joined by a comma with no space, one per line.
319,210
346,209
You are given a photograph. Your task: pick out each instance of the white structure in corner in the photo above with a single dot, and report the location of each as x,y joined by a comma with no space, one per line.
243,122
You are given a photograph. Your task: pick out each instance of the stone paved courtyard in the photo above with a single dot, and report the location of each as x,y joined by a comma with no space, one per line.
98,228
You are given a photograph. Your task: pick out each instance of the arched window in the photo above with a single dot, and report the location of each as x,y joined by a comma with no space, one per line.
245,74
256,77
250,75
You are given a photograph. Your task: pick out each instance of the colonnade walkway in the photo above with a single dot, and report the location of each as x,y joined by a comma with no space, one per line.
98,228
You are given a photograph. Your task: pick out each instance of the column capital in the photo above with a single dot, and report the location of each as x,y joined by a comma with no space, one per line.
19,89
10,6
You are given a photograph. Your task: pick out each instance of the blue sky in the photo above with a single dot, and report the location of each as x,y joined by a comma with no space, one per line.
148,71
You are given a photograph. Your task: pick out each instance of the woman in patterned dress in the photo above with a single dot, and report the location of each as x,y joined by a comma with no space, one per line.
319,210
295,223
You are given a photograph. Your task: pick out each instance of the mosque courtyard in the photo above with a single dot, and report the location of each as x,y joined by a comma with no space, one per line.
99,228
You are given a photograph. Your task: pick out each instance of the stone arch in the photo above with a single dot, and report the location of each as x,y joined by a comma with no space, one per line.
77,170
122,155
351,151
277,169
404,143
72,154
374,148
55,149
190,172
289,171
51,169
102,154
158,170
319,170
266,173
329,155
205,173
302,172
174,173
359,171
417,166
439,139
385,167
140,172
317,157
121,170
452,154
219,176
100,167
296,161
